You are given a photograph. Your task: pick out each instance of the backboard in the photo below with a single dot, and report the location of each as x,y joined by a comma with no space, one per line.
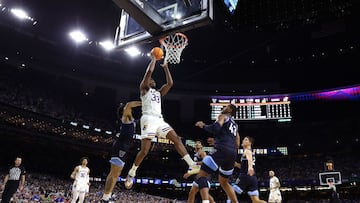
330,177
148,20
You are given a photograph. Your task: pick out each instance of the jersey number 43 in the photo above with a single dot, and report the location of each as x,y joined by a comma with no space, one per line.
233,129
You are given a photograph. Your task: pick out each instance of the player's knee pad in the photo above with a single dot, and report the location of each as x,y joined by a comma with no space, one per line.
202,182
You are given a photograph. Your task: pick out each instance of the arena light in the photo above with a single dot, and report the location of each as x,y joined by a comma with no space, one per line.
108,132
78,36
178,16
107,45
133,51
21,14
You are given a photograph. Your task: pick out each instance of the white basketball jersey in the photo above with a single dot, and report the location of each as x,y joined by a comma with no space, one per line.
151,103
82,175
273,182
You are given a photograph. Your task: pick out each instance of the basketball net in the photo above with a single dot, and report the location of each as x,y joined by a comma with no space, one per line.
174,45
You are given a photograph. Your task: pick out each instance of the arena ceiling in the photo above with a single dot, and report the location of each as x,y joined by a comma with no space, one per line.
266,46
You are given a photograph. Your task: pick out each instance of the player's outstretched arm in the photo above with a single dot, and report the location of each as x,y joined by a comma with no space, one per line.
212,128
127,113
169,81
144,85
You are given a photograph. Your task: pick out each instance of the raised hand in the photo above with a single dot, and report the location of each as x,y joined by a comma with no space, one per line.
200,124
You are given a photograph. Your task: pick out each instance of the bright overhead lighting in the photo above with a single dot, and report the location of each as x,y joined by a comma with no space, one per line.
178,16
78,36
107,45
21,14
133,51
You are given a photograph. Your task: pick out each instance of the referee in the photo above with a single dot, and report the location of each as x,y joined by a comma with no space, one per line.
15,175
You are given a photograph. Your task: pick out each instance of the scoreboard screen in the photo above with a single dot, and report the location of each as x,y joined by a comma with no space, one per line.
270,107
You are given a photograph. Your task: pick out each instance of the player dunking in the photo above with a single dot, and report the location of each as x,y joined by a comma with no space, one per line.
247,180
227,141
81,181
152,122
121,146
275,194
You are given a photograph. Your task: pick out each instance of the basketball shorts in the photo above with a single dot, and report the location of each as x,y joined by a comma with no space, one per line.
275,196
222,160
248,183
80,187
153,126
119,153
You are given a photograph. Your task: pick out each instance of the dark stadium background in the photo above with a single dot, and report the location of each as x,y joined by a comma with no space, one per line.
315,46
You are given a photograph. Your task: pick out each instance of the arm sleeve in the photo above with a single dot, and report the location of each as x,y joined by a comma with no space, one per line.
212,128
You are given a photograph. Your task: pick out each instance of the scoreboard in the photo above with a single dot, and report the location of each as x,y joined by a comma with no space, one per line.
270,107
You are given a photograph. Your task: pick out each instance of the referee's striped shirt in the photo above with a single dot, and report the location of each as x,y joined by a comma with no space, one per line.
15,173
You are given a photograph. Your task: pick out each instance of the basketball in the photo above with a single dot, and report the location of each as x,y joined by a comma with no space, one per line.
157,52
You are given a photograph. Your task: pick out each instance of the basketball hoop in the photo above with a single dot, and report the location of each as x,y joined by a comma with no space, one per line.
174,45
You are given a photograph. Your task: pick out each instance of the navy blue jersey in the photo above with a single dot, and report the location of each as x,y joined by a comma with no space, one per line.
244,163
197,157
127,131
226,138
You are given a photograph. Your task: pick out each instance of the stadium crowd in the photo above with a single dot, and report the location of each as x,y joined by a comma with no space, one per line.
48,189
23,92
